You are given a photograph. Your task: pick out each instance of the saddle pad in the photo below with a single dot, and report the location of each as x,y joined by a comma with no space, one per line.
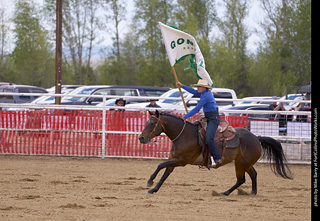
235,142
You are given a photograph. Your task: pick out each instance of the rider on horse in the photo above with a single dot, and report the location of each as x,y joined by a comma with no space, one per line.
211,112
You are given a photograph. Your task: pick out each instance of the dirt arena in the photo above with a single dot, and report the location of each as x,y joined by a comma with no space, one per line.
65,188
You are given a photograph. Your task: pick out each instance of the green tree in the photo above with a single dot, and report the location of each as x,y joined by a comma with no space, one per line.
32,56
122,70
300,40
230,59
284,58
5,61
116,67
154,67
118,14
196,17
80,26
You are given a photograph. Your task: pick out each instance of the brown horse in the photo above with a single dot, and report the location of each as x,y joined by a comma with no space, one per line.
186,150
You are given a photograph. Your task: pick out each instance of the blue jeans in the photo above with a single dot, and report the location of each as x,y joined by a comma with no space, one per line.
213,120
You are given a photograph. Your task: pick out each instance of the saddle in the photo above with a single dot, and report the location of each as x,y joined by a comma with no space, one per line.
226,136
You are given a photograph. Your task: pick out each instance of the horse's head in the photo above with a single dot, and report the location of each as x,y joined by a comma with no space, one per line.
152,129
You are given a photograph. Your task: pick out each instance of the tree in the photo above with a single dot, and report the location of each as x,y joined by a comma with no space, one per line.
300,40
155,67
118,14
233,65
5,62
196,17
32,56
114,69
286,52
80,27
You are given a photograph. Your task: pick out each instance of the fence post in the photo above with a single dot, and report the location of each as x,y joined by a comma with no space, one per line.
103,127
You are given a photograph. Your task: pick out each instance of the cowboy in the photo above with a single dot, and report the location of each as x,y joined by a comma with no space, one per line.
120,102
211,112
153,103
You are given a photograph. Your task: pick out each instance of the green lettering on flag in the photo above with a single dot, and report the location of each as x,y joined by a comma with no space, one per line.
180,45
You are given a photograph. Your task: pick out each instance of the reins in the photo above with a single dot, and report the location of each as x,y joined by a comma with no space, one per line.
158,121
184,125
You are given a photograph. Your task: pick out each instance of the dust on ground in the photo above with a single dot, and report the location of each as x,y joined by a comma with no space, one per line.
66,188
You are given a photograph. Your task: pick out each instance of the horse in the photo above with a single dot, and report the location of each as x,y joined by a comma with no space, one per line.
186,150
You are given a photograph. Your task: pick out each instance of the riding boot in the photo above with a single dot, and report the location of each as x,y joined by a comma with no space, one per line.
213,163
216,164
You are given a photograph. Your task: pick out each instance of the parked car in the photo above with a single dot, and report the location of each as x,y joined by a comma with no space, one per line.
289,105
19,89
178,104
47,100
258,100
110,90
224,93
110,103
66,87
6,83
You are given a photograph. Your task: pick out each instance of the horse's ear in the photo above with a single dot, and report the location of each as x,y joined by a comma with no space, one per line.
150,113
157,113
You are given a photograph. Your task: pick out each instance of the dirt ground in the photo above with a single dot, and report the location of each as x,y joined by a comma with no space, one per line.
65,188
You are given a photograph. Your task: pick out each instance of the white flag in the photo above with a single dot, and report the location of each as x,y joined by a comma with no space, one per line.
179,45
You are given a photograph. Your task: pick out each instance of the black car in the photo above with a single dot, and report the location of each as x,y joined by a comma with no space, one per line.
19,89
110,90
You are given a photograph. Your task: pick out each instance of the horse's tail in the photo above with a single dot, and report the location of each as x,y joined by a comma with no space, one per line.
274,153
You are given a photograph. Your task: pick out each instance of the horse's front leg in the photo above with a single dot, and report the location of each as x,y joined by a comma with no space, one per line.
167,172
160,167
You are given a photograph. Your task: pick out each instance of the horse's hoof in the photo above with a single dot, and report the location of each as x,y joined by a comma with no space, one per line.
225,193
150,183
242,192
151,191
215,193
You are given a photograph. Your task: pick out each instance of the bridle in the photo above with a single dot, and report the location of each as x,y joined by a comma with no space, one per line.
163,128
155,127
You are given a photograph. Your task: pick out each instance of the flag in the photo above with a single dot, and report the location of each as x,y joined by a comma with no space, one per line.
179,45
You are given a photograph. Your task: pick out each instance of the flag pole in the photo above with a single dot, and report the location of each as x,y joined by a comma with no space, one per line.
175,76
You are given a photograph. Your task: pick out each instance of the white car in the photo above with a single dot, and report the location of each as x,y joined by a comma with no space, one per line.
291,105
259,100
49,99
220,93
166,103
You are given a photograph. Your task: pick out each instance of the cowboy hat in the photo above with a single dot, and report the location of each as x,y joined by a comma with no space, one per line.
202,83
121,99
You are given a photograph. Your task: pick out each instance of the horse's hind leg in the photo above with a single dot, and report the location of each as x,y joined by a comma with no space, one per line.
240,180
253,175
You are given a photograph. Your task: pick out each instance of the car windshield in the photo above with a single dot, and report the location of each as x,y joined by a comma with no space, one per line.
174,94
290,97
154,93
6,90
79,91
43,99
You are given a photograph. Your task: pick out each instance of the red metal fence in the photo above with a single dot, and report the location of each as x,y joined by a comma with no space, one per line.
80,133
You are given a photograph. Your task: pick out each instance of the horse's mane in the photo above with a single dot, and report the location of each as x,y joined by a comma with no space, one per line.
173,116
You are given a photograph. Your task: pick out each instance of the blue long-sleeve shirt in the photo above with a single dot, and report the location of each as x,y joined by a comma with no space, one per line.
207,101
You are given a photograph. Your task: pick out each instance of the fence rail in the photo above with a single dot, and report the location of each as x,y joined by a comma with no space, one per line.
96,131
88,133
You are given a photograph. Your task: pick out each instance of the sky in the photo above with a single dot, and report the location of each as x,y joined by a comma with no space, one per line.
255,16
